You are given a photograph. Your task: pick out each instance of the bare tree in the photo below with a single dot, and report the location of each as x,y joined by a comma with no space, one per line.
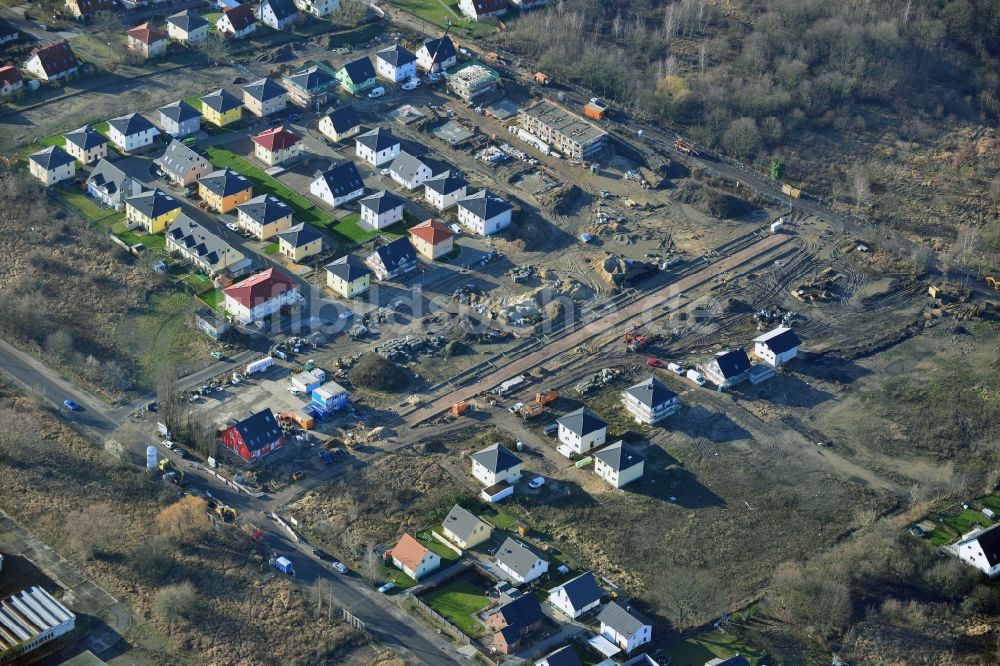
372,564
215,49
742,138
92,532
816,602
176,602
153,559
860,187
688,597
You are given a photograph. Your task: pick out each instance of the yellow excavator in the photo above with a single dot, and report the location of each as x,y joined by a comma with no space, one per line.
993,282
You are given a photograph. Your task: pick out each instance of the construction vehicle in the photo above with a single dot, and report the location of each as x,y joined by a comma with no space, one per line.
542,77
459,407
223,511
530,410
634,341
255,533
993,282
654,363
685,147
171,472
434,66
545,397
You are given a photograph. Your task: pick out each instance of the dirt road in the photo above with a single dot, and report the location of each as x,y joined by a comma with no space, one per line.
596,328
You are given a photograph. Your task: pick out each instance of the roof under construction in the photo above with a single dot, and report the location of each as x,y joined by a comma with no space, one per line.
563,121
27,615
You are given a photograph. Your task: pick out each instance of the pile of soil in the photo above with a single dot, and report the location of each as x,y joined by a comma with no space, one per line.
713,202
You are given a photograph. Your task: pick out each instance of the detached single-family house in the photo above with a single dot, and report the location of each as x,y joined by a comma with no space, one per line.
619,464
254,436
376,146
480,9
727,368
187,27
111,186
411,171
87,8
264,97
494,464
582,430
357,75
11,80
396,64
154,210
183,165
348,276
179,119
414,558
52,62
131,132
381,209
519,562
205,250
146,40
443,193
340,124
237,22
437,55
432,239
564,656
276,145
278,14
261,295
52,165
513,621
650,401
338,184
264,216
86,144
310,87
224,190
392,260
577,596
221,107
318,8
464,529
981,550
777,347
484,213
622,627
300,242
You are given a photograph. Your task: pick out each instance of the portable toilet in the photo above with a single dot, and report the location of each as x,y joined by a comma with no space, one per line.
284,565
151,457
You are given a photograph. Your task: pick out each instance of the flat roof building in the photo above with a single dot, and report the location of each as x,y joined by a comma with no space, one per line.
565,131
473,81
30,618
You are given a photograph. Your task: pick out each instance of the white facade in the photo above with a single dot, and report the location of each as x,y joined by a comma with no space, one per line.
561,601
649,414
468,8
225,26
430,562
973,547
445,201
489,478
376,159
318,7
389,71
381,220
319,188
586,442
132,142
327,129
424,57
538,567
263,309
776,347
481,226
628,643
189,37
618,478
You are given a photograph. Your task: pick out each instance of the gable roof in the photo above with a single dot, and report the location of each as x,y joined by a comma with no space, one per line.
780,340
187,20
146,33
582,422
9,75
88,7
281,9
221,100
444,47
131,124
260,288
179,111
52,158
265,209
619,456
264,90
381,202
396,56
344,118
153,203
178,159
511,634
56,58
485,205
446,185
432,231
521,612
517,557
276,138
397,254
348,268
343,179
461,522
619,619
482,7
377,139
409,551
732,363
405,165
989,541
225,182
312,78
496,458
564,656
110,178
582,590
85,138
300,235
359,70
651,392
259,430
200,242
240,16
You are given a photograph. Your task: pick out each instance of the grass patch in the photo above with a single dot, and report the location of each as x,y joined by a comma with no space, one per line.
440,12
271,248
89,208
155,242
966,521
991,502
130,237
394,575
159,335
349,230
444,552
198,282
458,601
698,649
501,520
215,299
304,210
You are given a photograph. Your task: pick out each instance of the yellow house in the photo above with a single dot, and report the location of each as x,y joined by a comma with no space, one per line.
300,242
348,277
431,239
464,529
221,108
154,211
224,190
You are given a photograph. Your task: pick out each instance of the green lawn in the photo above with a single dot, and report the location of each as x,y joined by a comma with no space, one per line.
271,248
349,230
502,521
155,242
991,502
130,237
88,207
215,299
458,601
446,553
394,575
440,11
695,651
158,335
197,281
304,210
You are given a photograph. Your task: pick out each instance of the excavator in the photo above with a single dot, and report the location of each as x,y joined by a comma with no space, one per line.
993,282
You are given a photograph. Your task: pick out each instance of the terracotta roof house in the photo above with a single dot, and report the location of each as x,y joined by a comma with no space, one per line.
52,62
414,558
432,239
11,80
276,145
261,295
146,39
255,436
236,22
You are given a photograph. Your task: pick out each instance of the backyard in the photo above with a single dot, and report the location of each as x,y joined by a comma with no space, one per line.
459,601
950,526
445,12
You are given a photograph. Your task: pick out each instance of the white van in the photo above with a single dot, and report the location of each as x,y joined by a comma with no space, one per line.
674,368
696,377
376,92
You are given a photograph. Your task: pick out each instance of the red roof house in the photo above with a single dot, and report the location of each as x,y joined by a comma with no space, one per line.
52,61
255,436
260,295
432,239
10,80
414,558
276,145
237,22
146,39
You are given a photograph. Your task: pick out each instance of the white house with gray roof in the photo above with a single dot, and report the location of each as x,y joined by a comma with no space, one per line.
776,347
727,368
411,171
131,132
582,430
619,464
338,184
377,146
395,63
577,596
520,562
111,186
650,401
623,628
183,165
381,210
443,193
494,464
264,216
464,529
484,213
179,119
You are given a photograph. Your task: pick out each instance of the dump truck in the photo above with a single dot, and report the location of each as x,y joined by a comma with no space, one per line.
542,77
255,533
595,109
530,410
685,147
171,472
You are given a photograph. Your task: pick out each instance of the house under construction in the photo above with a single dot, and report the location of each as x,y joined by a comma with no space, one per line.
563,130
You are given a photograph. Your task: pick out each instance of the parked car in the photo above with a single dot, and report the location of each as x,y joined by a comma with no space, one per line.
513,409
232,227
321,554
457,230
385,589
536,482
167,444
338,566
294,117
412,84
218,356
376,92
674,368
551,429
71,406
696,377
385,172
